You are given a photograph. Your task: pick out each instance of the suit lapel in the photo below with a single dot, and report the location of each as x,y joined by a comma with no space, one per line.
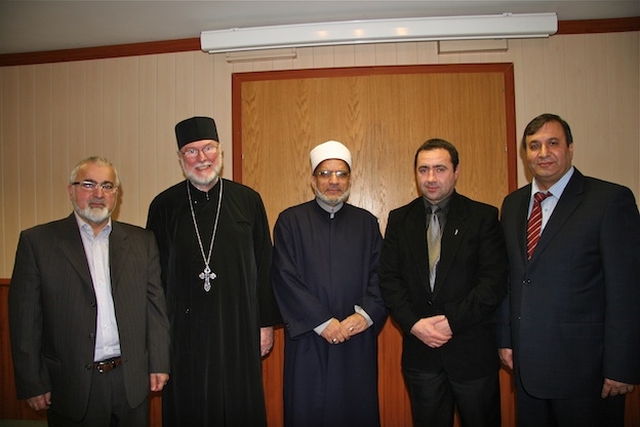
522,208
70,244
118,253
454,232
416,228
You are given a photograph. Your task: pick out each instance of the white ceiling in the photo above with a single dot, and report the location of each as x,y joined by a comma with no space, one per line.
31,26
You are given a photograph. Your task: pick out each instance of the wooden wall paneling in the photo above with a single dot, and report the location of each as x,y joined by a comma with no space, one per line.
383,118
621,105
131,209
94,134
111,113
184,84
60,123
9,171
203,78
167,117
42,145
76,144
26,137
149,149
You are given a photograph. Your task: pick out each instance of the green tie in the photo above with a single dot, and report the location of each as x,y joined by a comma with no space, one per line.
433,241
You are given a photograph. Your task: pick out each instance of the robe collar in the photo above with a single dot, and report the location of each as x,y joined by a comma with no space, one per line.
199,196
331,210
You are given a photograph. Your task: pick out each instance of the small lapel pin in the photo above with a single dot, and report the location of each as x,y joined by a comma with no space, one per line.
455,233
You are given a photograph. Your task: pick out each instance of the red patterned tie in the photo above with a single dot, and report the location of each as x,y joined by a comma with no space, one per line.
535,223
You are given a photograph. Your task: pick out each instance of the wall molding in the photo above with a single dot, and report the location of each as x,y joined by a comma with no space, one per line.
591,26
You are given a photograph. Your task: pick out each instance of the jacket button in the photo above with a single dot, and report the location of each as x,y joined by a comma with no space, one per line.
88,366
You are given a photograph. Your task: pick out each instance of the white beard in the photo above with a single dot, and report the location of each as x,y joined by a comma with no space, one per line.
199,180
93,215
332,201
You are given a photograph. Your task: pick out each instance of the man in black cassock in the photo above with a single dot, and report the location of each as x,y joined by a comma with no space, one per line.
215,252
326,283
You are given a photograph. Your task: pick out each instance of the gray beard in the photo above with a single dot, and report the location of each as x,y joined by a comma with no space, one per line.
333,201
93,215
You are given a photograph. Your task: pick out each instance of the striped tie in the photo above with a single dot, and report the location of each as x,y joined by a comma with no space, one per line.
535,223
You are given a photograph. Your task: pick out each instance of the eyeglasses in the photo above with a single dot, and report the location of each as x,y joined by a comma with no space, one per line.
106,187
326,174
207,150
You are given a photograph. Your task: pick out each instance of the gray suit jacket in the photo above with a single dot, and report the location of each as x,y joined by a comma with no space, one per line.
53,309
572,318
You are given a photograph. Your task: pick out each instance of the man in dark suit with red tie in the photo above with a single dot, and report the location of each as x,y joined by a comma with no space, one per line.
570,329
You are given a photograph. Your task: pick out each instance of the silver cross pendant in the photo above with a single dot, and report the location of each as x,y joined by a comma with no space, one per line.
207,275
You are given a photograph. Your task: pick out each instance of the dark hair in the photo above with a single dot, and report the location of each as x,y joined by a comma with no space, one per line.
535,125
432,144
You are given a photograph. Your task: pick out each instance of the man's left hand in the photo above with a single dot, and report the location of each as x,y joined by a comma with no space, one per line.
614,388
266,340
158,381
355,324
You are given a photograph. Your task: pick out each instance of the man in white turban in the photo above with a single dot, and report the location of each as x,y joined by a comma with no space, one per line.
326,283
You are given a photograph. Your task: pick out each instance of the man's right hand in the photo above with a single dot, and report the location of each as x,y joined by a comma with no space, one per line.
425,330
506,356
38,403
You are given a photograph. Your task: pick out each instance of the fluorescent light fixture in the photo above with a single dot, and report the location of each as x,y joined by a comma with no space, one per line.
503,26
473,46
261,55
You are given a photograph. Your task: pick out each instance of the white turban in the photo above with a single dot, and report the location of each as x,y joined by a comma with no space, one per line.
329,150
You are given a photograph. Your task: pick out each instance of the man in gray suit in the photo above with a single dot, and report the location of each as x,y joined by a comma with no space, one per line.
87,313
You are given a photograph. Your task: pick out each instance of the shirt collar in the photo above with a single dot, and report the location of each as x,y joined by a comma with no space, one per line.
443,205
556,189
86,228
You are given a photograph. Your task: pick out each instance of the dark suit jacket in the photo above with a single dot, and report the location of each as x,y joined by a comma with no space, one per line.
52,313
573,316
471,283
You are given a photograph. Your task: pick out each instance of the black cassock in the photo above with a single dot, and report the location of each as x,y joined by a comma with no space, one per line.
322,268
215,336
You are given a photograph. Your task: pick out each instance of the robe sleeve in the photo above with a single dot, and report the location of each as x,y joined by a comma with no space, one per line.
301,310
268,308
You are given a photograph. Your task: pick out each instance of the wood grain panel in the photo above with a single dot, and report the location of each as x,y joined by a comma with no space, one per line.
382,115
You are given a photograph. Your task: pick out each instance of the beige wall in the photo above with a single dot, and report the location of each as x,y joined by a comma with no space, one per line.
53,115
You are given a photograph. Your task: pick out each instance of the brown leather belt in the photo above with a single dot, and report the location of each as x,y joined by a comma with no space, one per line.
107,365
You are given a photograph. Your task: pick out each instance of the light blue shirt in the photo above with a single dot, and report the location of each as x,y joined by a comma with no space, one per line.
549,204
96,248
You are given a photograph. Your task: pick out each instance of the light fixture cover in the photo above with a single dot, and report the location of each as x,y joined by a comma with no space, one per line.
503,26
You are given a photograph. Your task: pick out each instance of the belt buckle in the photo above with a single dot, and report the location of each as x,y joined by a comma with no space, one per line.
106,365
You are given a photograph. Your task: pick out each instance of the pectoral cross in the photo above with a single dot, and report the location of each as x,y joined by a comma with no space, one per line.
207,275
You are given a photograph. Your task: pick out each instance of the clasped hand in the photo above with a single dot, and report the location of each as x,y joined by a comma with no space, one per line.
338,332
433,331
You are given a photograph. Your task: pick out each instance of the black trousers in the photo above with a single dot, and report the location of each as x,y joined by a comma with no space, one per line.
585,411
108,406
435,396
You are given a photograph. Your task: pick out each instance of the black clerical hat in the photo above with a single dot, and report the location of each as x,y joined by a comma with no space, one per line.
196,129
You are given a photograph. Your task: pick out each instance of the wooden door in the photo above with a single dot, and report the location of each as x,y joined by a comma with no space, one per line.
383,114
